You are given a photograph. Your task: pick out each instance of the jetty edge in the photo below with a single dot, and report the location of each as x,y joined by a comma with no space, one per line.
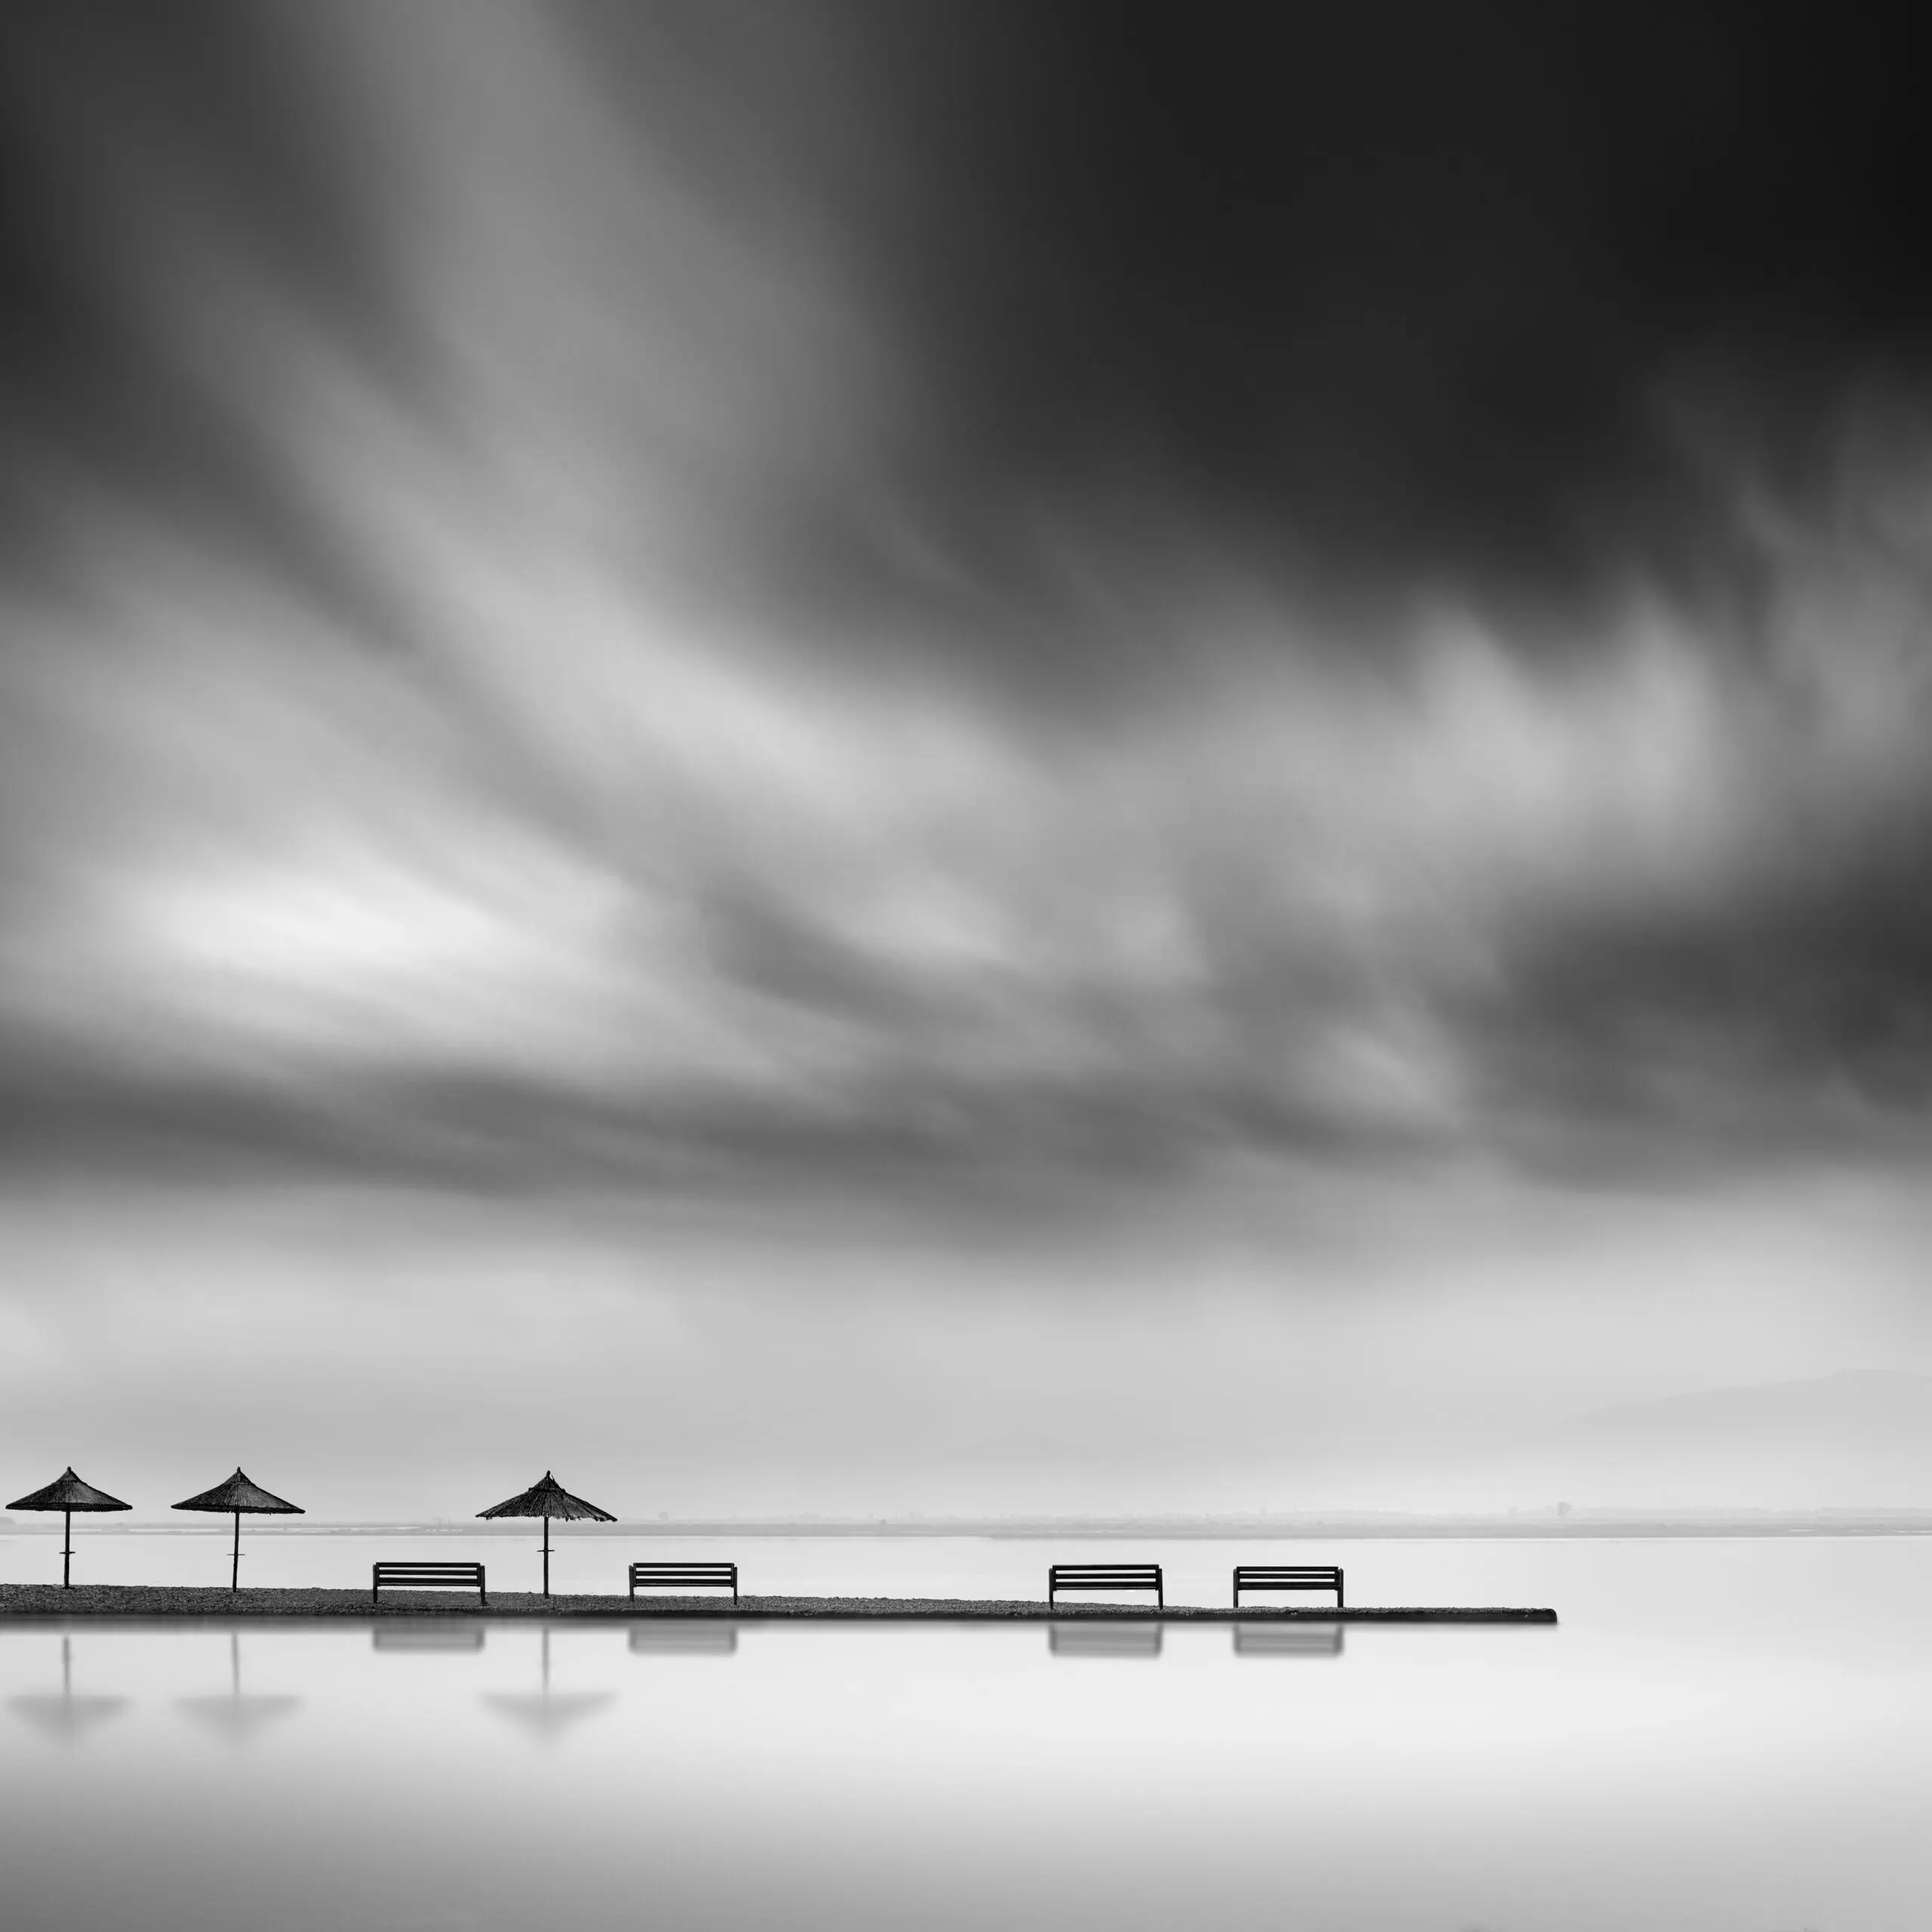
147,1603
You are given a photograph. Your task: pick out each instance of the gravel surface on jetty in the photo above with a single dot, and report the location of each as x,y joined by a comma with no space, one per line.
44,1600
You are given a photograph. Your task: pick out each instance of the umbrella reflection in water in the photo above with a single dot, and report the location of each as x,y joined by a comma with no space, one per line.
547,1713
66,1717
240,1717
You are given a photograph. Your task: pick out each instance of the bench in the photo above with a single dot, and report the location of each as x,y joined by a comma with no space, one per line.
1113,1578
428,1576
685,1576
1287,1577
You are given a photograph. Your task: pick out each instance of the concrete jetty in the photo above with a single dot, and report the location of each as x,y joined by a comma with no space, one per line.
148,1603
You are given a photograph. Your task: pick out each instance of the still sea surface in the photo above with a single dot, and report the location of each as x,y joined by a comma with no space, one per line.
1722,1736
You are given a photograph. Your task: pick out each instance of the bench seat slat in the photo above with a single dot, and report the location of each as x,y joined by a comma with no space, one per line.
668,1576
427,1576
1287,1576
1105,1576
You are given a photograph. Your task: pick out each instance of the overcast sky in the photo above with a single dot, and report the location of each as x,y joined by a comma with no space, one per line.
873,755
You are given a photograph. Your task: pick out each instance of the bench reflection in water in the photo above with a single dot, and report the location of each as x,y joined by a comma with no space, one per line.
1318,1640
467,1637
693,1637
1104,1640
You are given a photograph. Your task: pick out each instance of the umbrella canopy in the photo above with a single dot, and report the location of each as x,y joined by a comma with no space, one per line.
69,1493
66,1493
237,1496
547,1498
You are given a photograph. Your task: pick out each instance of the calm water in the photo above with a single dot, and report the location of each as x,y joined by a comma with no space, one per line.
1720,1735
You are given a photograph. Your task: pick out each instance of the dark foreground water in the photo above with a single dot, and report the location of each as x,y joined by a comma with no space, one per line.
1720,1735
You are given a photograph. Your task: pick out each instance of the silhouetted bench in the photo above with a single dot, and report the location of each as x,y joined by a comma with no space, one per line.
1113,1578
1287,1577
428,1576
685,1576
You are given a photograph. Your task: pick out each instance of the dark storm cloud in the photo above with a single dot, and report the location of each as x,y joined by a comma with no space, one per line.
1796,1022
1395,295
875,590
146,152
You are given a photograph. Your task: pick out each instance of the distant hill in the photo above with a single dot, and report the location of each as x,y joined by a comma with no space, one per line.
1862,1435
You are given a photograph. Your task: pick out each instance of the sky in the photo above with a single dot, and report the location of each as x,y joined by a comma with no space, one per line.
877,755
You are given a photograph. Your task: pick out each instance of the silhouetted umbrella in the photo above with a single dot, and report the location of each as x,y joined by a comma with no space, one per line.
547,1498
67,1495
235,1495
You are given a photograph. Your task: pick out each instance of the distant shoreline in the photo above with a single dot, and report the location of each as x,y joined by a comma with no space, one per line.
1473,1529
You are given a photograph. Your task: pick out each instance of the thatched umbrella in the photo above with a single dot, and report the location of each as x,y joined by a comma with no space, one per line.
67,1495
235,1495
547,1498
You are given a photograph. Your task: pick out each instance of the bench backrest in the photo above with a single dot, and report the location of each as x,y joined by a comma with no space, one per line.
1284,1573
428,1573
684,1573
1146,1574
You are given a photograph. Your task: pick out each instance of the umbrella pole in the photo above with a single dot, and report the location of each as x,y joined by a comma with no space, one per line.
547,1556
235,1568
67,1555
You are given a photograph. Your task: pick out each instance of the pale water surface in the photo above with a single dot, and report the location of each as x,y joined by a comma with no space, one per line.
1720,1735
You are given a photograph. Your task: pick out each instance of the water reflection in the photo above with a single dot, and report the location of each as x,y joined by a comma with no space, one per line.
237,1716
875,1778
467,1637
546,1713
691,1637
1104,1640
1305,1640
66,1717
